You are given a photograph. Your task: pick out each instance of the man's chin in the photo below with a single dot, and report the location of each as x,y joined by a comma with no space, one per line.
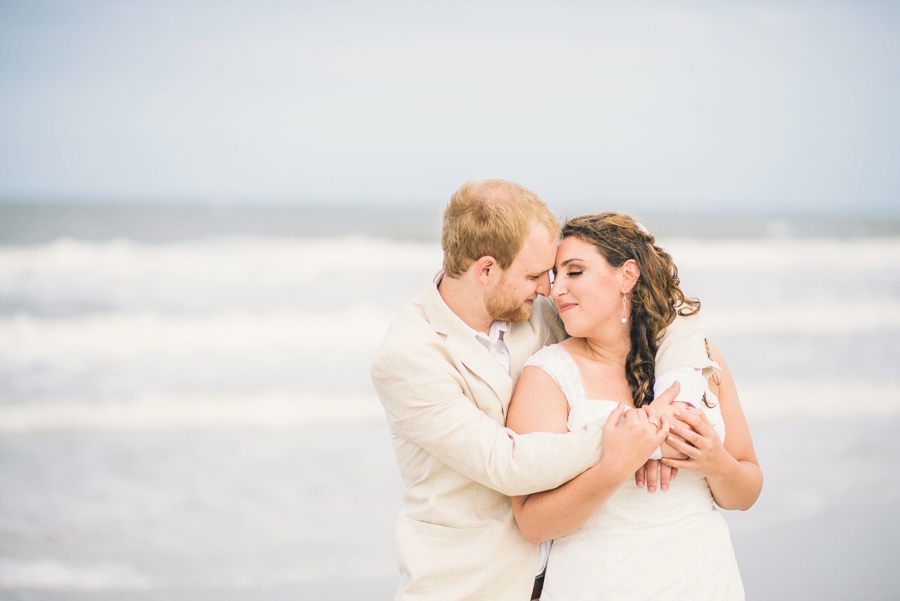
520,318
524,314
503,308
517,315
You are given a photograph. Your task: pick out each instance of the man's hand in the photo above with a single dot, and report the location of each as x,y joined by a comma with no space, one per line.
652,472
628,444
648,473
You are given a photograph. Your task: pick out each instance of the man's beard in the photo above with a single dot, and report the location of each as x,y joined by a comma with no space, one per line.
502,307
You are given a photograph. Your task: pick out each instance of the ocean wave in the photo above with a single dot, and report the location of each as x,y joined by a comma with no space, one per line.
119,335
75,278
70,278
227,257
276,411
50,574
816,399
815,317
861,255
265,411
237,257
54,575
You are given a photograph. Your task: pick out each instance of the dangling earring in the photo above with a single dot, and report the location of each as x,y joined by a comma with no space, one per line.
624,310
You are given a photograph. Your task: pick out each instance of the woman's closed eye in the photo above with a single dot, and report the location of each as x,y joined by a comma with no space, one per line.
573,273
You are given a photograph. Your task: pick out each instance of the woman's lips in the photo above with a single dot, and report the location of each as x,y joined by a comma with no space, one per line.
566,306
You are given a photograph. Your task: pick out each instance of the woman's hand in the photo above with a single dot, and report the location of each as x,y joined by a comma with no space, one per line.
693,435
667,410
731,468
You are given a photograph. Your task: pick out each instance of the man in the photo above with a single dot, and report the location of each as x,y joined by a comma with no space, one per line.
445,372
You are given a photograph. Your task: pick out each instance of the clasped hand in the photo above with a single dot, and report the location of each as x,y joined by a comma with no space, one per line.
633,435
693,435
630,436
652,471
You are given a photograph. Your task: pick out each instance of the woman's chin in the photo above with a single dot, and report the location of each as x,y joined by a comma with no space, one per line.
572,329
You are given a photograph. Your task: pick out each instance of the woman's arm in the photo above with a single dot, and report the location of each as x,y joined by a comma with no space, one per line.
538,405
731,469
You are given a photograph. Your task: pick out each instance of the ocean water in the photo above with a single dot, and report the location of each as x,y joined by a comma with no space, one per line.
191,416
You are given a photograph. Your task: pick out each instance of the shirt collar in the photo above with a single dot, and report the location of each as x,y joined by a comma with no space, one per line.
496,333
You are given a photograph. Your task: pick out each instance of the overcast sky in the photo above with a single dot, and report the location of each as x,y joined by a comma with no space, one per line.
738,105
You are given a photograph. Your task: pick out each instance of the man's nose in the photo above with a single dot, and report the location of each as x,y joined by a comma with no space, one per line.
543,287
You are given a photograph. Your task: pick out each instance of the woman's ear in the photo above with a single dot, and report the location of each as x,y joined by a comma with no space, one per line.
631,273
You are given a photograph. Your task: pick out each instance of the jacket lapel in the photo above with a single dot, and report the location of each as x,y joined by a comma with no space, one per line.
520,340
479,361
465,348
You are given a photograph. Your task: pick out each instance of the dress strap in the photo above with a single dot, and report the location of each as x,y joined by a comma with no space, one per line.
559,365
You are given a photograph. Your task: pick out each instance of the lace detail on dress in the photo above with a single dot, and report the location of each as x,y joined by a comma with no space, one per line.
557,363
679,533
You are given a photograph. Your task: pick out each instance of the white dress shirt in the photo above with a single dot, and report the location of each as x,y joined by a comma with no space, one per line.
493,342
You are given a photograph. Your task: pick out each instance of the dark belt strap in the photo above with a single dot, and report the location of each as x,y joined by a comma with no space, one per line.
538,587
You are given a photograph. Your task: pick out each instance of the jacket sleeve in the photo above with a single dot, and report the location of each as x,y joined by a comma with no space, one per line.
425,404
684,345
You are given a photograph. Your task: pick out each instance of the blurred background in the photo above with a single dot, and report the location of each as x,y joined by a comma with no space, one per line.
210,211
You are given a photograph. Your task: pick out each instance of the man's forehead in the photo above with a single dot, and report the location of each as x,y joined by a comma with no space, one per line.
537,256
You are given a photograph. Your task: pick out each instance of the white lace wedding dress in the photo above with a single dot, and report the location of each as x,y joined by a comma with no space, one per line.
669,545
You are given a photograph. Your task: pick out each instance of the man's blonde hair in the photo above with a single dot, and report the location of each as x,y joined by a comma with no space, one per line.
490,217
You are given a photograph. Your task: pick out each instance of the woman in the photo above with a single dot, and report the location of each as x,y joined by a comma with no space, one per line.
616,292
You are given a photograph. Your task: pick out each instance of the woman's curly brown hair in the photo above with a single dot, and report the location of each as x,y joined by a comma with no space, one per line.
655,298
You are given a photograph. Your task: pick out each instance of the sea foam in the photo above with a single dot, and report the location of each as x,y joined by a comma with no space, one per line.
260,411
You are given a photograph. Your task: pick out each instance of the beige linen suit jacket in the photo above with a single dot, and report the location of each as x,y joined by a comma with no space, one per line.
446,399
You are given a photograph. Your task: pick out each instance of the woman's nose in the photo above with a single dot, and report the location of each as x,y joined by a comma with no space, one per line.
558,288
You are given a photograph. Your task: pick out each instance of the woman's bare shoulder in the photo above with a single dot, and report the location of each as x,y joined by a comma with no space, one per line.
538,404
